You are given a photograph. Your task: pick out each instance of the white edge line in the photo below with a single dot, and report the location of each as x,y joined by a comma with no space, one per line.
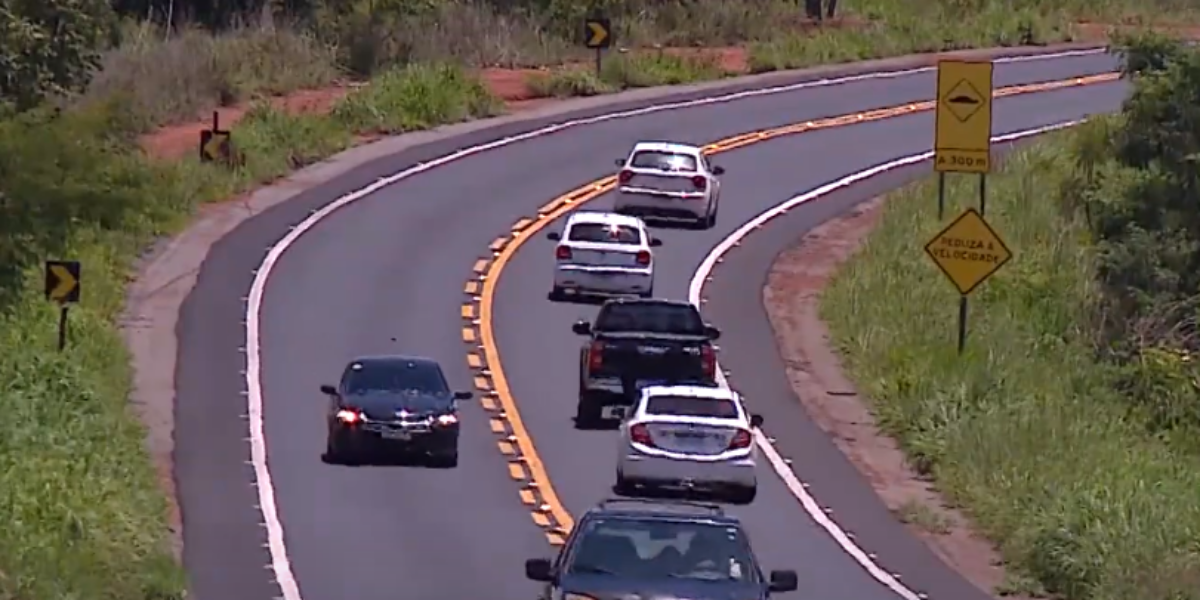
280,564
781,468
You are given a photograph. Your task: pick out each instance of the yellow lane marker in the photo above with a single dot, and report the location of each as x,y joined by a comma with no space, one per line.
567,202
481,265
497,244
488,403
506,448
471,288
555,539
549,206
468,334
468,311
474,361
516,471
541,519
527,498
481,383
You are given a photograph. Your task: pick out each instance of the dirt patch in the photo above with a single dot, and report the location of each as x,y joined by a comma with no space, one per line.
792,297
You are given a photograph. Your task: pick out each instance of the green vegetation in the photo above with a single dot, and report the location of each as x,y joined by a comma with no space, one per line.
1068,428
82,79
83,513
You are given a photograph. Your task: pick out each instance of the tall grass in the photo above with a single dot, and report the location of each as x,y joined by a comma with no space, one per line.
1025,430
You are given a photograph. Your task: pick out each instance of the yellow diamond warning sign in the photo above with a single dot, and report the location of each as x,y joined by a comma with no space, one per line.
968,251
963,100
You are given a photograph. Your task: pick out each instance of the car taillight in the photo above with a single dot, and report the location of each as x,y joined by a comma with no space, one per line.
700,182
625,176
562,253
596,356
708,360
638,434
349,416
741,439
643,257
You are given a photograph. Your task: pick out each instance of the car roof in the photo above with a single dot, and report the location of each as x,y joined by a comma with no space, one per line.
604,218
659,301
663,510
671,147
395,359
696,391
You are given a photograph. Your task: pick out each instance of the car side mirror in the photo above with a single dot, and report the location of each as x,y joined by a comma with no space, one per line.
554,236
463,395
718,170
328,390
538,569
620,162
756,421
582,328
782,581
712,332
655,242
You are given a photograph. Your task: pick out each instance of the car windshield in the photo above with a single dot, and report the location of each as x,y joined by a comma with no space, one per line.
650,317
663,161
394,376
660,549
685,406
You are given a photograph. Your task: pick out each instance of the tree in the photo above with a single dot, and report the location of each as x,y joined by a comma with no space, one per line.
49,47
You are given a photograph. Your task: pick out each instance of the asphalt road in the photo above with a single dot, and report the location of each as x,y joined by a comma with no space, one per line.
386,275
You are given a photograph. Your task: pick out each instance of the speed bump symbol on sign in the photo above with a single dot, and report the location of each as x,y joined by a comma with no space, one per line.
597,33
62,281
963,121
968,251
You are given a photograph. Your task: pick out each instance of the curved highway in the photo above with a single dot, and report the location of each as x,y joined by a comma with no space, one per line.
386,273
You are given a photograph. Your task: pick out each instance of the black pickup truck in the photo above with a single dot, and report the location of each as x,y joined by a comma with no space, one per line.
638,342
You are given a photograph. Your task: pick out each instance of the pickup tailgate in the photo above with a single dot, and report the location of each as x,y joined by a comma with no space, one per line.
656,356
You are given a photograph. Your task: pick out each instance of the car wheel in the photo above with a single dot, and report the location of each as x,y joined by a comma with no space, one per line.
587,413
624,487
743,494
557,294
448,460
648,293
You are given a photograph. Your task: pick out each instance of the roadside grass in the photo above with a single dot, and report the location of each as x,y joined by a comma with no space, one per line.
1025,430
83,512
625,71
171,79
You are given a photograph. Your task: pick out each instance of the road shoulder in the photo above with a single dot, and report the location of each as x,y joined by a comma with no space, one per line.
792,301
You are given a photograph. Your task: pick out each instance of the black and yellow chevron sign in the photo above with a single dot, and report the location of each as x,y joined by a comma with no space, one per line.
597,33
62,281
215,146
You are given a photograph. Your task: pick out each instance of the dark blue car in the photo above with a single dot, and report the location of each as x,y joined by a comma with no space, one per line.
392,405
649,549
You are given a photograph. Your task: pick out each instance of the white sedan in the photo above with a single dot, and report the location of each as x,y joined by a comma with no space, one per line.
691,438
669,182
603,254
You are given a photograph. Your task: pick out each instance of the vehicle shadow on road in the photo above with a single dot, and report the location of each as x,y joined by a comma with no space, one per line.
387,461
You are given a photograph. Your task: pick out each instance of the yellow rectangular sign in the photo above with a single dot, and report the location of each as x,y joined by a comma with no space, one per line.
963,126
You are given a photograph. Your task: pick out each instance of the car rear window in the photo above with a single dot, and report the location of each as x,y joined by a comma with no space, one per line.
685,406
650,317
604,233
664,161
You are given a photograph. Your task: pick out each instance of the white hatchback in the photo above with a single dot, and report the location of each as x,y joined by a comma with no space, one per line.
690,438
669,181
603,254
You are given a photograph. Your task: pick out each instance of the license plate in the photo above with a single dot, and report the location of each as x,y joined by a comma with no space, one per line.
396,434
612,412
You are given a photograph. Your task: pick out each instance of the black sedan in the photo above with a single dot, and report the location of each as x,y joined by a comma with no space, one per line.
393,405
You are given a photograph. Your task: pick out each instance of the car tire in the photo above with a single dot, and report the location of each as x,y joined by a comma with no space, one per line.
448,460
648,293
743,494
557,294
337,453
587,413
624,487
